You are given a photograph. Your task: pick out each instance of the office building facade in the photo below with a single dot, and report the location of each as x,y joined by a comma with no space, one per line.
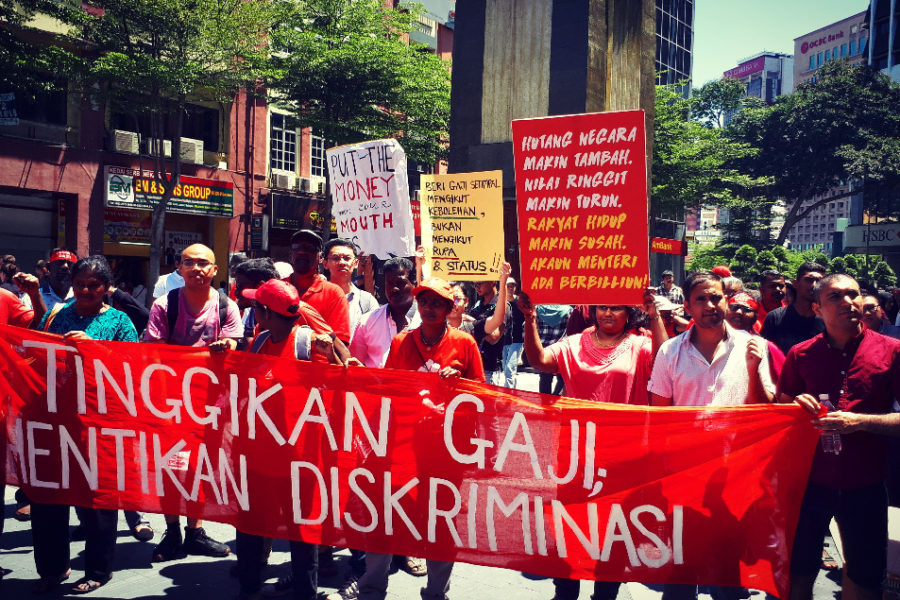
674,40
847,39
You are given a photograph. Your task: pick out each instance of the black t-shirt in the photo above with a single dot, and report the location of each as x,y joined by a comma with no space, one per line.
491,354
786,327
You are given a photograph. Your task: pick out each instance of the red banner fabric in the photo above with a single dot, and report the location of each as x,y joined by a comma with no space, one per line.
581,192
352,458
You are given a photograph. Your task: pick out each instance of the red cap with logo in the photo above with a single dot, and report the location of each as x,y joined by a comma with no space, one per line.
63,255
436,285
277,295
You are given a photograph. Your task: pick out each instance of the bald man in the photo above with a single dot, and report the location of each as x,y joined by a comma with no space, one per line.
202,317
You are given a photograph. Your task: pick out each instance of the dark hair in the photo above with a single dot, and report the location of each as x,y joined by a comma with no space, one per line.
237,258
769,274
96,264
340,242
400,263
817,288
9,269
635,316
810,267
757,297
696,278
258,270
883,298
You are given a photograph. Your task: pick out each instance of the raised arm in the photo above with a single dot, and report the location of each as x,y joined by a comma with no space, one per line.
493,323
538,357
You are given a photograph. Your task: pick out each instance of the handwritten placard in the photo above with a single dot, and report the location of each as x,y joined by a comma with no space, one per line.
462,224
581,190
370,197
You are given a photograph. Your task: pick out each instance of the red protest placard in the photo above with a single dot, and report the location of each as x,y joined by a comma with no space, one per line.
581,188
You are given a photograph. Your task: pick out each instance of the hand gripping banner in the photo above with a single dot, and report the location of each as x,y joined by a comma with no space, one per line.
353,458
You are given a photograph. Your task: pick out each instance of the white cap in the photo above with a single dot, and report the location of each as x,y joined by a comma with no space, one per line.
284,269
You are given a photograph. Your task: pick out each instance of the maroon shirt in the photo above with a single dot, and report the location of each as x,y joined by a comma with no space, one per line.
870,363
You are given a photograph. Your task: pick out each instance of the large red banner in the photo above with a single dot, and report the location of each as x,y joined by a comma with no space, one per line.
353,458
581,198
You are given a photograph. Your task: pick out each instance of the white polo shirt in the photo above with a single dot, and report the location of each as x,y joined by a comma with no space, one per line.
682,373
372,339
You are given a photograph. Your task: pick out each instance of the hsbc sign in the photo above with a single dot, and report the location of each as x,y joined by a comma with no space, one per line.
881,235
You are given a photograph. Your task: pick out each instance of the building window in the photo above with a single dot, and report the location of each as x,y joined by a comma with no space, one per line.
812,62
317,156
283,143
827,55
852,47
843,50
862,45
818,60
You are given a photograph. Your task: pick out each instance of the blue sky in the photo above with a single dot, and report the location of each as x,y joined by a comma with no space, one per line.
726,31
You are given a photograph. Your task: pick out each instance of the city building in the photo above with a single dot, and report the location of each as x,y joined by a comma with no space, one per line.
766,75
674,41
884,50
74,173
817,229
701,224
846,39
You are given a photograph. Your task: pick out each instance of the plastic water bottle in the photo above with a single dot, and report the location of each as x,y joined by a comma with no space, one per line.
831,440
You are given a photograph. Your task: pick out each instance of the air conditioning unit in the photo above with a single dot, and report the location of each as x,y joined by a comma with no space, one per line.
284,181
192,151
151,147
305,184
318,185
125,142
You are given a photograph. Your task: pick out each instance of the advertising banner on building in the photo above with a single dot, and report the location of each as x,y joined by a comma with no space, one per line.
462,215
130,188
354,458
873,235
581,191
667,246
370,197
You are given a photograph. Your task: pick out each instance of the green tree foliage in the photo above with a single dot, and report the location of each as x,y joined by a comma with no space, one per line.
150,58
705,258
31,60
718,99
839,265
345,67
883,276
744,263
690,161
766,261
845,125
781,256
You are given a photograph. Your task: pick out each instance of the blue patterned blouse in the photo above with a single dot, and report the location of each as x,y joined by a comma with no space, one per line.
111,324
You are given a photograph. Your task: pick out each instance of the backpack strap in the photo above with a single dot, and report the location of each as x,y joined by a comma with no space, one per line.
259,340
172,302
223,309
302,342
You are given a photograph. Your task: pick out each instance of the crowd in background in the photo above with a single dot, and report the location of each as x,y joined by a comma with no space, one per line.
817,339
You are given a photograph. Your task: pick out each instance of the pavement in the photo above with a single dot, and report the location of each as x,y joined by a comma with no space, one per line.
200,578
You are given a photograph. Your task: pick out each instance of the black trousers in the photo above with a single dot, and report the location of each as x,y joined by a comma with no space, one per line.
50,531
568,589
304,565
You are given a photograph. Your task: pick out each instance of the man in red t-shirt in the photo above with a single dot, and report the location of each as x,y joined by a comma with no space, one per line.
314,289
277,307
434,347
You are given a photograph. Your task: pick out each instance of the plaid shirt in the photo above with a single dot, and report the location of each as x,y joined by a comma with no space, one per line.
550,334
675,295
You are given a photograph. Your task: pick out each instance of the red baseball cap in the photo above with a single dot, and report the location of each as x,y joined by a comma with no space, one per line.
722,270
277,295
436,285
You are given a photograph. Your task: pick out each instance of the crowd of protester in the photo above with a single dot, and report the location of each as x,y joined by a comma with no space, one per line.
819,340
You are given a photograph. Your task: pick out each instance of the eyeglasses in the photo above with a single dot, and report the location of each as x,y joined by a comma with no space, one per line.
190,263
